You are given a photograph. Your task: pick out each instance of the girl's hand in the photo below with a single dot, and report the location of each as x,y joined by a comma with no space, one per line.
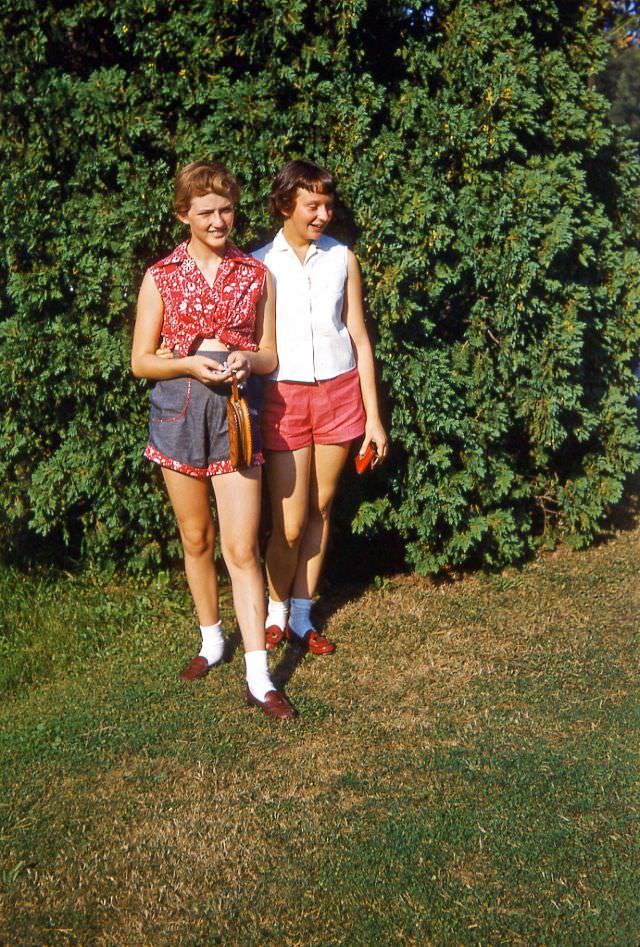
164,352
374,432
240,365
206,370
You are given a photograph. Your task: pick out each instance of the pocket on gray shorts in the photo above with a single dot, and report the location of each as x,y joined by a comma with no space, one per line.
169,399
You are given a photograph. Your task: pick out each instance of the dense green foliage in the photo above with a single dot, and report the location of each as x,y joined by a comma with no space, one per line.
496,220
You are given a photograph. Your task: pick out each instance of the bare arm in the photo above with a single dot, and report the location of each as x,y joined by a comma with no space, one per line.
353,315
146,336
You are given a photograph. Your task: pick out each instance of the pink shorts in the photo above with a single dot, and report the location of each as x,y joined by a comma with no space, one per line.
296,414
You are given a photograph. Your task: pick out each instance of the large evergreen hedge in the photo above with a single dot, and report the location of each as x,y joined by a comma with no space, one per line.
496,215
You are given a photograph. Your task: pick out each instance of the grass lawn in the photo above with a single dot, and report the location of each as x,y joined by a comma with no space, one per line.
464,770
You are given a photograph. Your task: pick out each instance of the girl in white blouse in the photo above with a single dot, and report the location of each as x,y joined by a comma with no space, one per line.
321,397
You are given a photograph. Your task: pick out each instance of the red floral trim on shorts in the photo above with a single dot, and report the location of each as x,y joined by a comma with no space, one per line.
217,467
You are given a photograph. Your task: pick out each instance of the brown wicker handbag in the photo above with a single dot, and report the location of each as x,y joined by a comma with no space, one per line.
239,419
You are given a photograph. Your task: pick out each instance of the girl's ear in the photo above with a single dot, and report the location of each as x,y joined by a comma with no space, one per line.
182,218
288,211
283,211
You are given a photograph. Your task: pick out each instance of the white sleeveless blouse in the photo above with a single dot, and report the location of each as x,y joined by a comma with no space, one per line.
313,341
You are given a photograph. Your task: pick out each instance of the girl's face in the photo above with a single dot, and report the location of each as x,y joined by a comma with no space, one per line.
310,215
210,218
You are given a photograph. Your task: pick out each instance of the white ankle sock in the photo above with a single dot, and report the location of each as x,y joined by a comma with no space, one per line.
212,642
300,616
258,678
277,613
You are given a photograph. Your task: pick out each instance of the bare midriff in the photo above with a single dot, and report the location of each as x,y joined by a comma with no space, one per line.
206,345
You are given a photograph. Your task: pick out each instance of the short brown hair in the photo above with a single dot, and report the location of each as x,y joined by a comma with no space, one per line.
200,178
298,174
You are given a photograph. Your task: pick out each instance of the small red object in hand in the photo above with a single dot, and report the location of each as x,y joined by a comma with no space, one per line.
366,460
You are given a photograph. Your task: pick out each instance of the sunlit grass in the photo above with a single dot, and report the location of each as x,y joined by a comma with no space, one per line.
464,769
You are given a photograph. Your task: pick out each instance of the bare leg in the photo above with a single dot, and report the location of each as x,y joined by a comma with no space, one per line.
327,464
191,501
238,503
288,474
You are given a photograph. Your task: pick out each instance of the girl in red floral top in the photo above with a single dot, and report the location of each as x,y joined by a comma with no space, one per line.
213,308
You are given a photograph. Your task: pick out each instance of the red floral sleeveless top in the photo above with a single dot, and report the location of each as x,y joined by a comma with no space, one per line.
194,310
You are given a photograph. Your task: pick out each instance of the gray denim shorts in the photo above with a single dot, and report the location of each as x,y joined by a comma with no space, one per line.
188,423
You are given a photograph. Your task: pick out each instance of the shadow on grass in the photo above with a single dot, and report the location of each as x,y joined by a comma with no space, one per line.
287,666
231,645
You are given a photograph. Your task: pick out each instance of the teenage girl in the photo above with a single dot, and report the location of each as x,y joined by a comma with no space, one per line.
212,306
320,398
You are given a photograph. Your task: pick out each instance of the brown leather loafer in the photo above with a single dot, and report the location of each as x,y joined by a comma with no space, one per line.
273,635
196,668
275,705
312,641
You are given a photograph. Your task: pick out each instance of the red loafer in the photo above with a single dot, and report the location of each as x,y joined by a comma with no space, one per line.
275,705
312,641
273,635
196,668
